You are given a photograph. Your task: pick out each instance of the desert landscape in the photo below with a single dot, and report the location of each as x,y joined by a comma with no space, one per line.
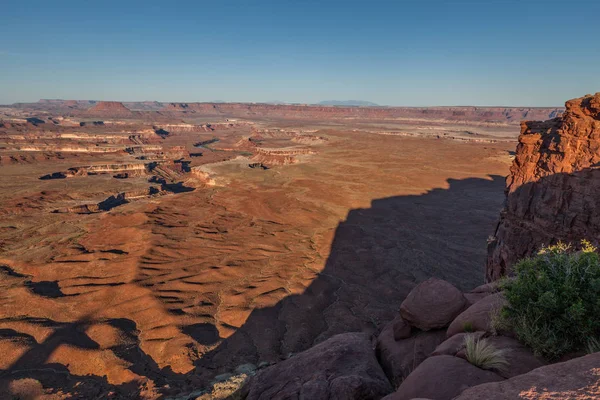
316,200
256,251
148,251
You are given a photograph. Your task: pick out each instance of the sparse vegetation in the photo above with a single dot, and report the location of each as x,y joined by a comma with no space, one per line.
481,353
593,345
229,388
468,326
498,323
553,301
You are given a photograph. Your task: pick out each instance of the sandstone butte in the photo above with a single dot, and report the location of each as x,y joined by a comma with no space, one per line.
553,191
108,108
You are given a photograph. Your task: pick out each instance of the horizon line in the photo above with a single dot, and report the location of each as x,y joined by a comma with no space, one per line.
277,103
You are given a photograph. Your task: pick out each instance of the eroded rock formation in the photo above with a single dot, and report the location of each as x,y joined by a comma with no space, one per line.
553,191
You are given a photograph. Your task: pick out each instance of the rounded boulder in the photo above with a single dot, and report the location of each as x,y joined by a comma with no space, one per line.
432,304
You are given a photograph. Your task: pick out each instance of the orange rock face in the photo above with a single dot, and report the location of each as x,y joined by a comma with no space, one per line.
553,191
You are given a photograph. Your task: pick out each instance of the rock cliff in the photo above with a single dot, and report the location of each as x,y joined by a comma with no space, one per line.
167,112
553,191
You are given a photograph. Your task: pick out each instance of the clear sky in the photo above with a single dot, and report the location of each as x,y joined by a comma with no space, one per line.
413,53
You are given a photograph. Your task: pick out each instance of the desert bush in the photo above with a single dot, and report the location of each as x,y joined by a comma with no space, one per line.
554,300
481,353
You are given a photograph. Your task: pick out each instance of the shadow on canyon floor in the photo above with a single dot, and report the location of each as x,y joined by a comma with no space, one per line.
377,255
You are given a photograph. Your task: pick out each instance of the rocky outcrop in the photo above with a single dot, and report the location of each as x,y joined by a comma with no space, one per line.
209,127
578,379
413,338
553,191
343,367
69,148
111,202
425,365
130,169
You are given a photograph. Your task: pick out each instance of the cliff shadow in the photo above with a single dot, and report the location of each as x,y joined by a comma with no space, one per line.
377,256
54,378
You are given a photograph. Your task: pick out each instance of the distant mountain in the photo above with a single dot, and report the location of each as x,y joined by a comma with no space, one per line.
347,103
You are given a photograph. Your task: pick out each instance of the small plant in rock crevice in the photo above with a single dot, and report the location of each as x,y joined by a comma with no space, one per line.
483,354
468,327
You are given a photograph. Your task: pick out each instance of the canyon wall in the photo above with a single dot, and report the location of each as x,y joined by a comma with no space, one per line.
157,111
553,190
301,111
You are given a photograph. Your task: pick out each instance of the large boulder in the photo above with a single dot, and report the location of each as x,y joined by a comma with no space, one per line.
577,379
442,378
400,357
342,367
432,304
478,317
520,358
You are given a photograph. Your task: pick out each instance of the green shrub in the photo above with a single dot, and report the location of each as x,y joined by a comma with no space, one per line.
554,300
481,353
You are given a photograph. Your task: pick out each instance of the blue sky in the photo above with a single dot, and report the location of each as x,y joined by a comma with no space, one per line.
412,53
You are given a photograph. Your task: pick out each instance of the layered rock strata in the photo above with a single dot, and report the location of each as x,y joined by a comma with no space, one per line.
553,190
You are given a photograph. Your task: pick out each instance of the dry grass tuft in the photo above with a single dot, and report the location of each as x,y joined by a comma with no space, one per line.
481,353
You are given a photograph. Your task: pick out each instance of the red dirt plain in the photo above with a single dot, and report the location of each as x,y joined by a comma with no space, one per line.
139,267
